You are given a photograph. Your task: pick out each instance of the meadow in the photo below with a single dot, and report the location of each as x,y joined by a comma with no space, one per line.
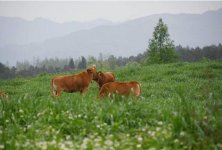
180,108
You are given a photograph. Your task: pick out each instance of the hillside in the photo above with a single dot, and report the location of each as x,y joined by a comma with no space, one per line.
180,108
124,39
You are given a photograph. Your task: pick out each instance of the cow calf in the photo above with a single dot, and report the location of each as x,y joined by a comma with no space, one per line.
121,88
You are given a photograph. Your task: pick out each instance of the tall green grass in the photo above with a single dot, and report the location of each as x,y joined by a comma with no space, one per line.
180,108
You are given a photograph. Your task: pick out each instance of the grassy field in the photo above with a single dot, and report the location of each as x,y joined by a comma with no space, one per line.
180,108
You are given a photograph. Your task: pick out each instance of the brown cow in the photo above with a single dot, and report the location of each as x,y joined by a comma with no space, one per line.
73,83
104,77
121,88
3,94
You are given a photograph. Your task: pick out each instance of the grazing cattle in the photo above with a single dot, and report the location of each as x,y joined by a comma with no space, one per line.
73,83
104,77
121,88
3,94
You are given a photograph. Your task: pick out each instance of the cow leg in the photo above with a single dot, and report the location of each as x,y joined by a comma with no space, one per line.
58,92
54,92
83,91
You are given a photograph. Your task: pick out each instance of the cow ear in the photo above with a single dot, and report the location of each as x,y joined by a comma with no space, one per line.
89,70
100,74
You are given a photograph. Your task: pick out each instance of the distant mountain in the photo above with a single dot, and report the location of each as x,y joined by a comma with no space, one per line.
20,31
125,39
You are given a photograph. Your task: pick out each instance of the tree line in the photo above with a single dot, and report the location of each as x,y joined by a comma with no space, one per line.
56,65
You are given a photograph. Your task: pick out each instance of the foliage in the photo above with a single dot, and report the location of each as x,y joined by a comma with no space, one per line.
71,64
161,48
212,52
180,108
82,63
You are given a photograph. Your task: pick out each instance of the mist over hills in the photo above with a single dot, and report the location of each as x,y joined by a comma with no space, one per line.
123,39
19,31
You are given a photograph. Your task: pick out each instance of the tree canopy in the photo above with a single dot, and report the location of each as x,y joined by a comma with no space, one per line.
161,48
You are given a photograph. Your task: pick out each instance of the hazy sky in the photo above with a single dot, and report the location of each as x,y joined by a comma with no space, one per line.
111,10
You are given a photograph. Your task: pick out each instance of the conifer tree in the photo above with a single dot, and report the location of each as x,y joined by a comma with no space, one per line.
161,48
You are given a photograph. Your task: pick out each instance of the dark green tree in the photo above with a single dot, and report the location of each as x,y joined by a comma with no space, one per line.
161,48
71,64
82,63
112,62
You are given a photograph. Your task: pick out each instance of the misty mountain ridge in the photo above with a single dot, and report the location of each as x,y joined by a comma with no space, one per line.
19,31
123,39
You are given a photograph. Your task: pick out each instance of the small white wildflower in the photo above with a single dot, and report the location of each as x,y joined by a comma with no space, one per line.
109,142
86,140
53,142
57,132
158,129
175,113
219,145
69,144
138,145
53,130
143,129
97,145
160,123
2,146
182,133
21,111
62,146
84,144
29,126
152,133
98,126
38,114
70,117
140,139
176,141
68,137
97,139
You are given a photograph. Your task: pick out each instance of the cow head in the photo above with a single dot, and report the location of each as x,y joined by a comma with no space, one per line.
100,76
92,70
